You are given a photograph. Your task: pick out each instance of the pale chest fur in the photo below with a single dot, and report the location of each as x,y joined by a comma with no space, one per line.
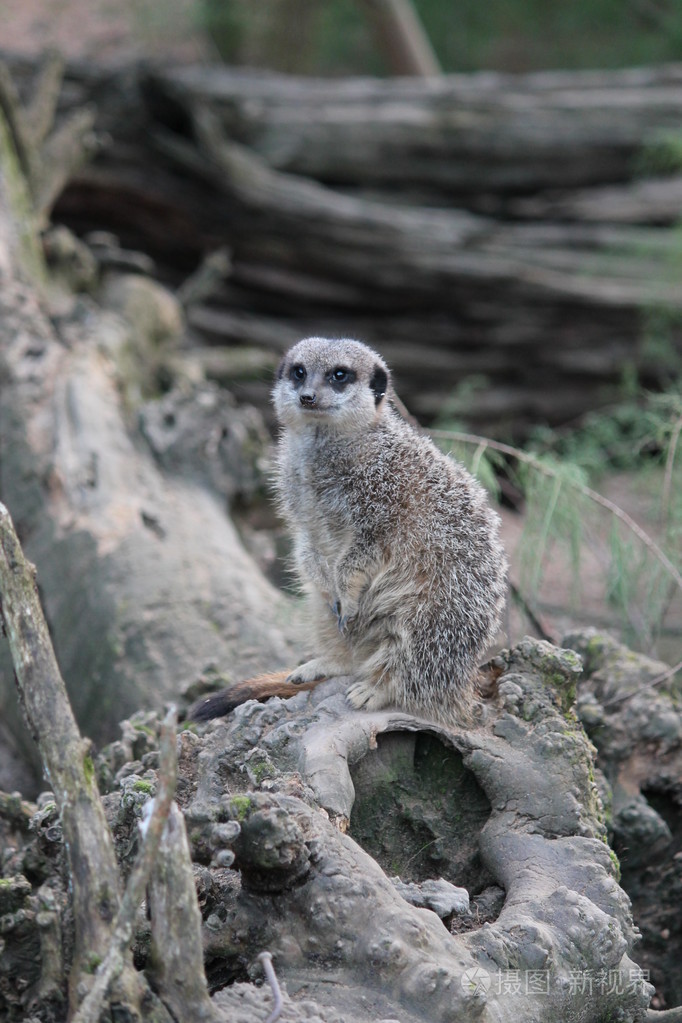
315,509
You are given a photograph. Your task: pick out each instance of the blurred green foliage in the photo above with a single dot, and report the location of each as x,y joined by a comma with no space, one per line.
578,546
296,36
526,35
333,37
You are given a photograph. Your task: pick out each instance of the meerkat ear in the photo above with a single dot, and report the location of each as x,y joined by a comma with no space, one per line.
378,383
280,368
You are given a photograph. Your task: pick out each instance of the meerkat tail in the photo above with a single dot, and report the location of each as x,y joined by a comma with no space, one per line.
261,687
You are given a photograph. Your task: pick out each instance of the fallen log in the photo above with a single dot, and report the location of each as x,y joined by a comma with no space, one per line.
532,307
463,136
500,225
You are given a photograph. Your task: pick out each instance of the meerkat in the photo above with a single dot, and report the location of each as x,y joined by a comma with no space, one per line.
394,543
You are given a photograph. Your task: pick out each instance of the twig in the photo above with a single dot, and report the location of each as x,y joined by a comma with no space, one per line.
39,111
10,106
48,156
405,413
202,284
541,542
265,958
91,1007
668,475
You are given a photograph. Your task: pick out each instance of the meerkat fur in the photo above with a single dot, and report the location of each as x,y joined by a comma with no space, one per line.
394,543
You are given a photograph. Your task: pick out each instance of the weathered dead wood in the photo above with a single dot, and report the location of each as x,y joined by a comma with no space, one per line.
177,962
466,135
656,200
639,734
313,896
48,157
170,586
457,134
157,820
424,252
482,297
65,755
101,971
68,765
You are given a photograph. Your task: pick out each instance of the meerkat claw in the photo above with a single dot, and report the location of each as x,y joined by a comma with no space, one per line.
341,619
364,696
343,623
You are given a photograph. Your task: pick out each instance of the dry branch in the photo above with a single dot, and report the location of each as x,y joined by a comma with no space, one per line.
70,770
122,930
170,587
65,756
177,964
48,156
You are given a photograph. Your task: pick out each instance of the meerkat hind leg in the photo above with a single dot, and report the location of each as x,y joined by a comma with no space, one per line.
373,686
364,694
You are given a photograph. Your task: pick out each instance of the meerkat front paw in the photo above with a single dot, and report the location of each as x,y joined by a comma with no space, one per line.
364,695
315,671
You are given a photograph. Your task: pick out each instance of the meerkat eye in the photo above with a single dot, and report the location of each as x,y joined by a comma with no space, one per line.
297,373
341,376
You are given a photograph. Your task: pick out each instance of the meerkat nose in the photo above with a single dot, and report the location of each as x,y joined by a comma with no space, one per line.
308,400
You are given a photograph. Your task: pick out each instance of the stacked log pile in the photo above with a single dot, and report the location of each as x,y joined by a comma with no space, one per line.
492,235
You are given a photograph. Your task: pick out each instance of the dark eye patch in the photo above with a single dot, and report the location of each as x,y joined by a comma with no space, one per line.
341,377
297,373
378,383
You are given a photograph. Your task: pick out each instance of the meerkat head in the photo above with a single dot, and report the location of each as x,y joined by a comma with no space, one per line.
338,384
